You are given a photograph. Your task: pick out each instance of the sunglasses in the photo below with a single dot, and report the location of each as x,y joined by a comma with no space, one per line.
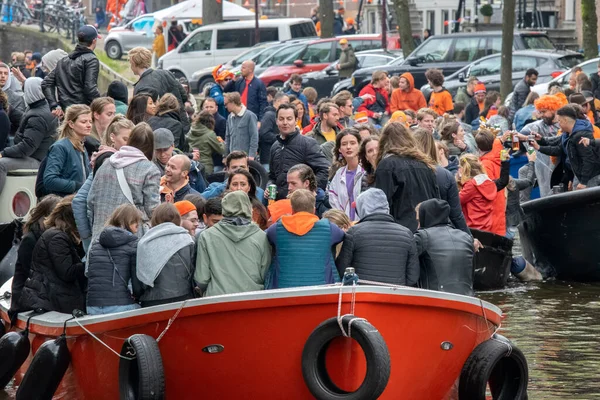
227,79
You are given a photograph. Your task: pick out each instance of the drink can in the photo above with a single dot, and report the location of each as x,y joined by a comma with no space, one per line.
272,192
504,155
557,189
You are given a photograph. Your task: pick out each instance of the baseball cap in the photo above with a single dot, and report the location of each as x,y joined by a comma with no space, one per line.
163,138
344,41
88,33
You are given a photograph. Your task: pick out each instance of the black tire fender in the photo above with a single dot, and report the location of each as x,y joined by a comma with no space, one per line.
143,377
14,350
46,371
376,354
497,362
259,173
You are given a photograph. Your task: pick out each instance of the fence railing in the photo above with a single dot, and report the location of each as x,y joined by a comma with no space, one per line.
50,16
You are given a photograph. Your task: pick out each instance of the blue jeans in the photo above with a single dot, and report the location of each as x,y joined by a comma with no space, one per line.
111,309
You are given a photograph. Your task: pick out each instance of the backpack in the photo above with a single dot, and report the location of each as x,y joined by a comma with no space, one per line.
40,189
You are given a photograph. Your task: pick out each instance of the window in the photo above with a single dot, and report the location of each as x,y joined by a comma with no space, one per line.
362,45
397,61
490,66
248,55
318,53
494,45
288,53
522,63
568,62
435,49
199,42
373,61
537,42
305,29
445,21
468,49
143,24
268,35
430,23
234,38
265,54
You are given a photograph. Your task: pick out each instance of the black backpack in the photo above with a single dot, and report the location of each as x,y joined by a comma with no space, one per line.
40,189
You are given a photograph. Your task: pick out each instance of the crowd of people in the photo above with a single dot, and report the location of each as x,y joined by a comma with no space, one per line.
142,202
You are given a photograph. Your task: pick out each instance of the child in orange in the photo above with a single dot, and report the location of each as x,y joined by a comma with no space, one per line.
440,99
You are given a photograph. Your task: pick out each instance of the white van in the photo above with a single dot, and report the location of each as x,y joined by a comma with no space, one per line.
216,44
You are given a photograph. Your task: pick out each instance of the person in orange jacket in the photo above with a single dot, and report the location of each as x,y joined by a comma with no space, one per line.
377,107
406,97
490,147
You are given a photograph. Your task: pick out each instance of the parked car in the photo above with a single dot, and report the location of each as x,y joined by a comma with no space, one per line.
549,64
137,33
346,84
203,78
216,44
324,80
589,67
314,55
453,52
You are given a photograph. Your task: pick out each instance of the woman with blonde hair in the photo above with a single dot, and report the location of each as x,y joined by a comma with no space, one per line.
103,111
445,180
57,282
167,116
404,173
477,193
67,165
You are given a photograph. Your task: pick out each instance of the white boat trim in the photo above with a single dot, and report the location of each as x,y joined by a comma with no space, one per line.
56,319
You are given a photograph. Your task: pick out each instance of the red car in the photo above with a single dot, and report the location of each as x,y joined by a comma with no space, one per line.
316,55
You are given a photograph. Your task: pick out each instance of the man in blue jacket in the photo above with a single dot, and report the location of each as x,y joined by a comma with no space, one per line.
251,89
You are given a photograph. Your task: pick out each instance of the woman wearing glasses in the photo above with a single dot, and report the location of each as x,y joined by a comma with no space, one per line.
222,78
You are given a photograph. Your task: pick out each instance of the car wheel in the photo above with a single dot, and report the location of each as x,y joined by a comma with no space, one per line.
113,50
205,84
179,74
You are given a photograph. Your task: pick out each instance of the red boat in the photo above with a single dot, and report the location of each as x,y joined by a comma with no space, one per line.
281,344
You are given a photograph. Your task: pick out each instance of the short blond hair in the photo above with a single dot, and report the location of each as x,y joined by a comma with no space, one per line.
378,76
303,201
426,111
140,57
233,97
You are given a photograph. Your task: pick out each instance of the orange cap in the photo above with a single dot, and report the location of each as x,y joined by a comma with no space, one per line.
185,207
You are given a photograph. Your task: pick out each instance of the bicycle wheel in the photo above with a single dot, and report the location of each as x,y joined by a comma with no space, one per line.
18,16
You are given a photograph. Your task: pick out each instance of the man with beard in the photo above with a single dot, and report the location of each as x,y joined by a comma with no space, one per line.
522,90
546,107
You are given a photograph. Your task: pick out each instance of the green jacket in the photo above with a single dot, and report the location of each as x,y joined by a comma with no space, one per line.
205,140
232,259
347,62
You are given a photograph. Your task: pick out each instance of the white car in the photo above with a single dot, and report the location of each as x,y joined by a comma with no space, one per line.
589,67
137,33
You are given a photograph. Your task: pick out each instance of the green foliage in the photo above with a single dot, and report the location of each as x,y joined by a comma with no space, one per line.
486,10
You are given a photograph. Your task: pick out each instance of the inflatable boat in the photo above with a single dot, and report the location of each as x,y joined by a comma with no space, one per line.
323,342
560,233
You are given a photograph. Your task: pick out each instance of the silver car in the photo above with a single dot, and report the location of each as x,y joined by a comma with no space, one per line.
137,33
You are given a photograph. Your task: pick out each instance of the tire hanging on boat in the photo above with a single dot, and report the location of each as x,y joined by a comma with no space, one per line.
14,349
497,362
372,344
141,378
46,371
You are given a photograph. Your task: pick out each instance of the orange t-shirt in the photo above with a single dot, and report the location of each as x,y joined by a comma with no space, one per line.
441,102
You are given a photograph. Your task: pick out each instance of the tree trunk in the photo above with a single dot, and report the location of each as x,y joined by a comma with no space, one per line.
508,26
590,28
404,28
326,17
212,12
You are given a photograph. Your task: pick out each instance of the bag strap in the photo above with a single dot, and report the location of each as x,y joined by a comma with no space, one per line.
124,185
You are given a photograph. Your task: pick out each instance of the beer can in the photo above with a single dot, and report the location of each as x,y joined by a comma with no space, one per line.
557,189
272,192
504,155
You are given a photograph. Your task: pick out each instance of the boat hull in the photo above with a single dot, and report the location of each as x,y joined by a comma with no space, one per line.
560,234
492,262
263,335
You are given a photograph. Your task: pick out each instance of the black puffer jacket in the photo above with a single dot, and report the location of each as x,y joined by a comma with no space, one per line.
449,192
296,149
75,78
406,182
380,250
445,254
36,133
172,122
57,282
161,81
112,266
23,265
267,134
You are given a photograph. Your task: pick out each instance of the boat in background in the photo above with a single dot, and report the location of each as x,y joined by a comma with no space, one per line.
405,343
560,233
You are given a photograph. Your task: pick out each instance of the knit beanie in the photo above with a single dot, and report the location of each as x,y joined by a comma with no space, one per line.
185,207
118,91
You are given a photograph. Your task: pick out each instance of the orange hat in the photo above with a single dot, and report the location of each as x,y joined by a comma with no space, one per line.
548,102
344,41
479,87
184,207
350,21
220,76
398,116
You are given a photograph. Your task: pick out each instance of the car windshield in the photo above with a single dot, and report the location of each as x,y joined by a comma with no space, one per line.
568,62
286,53
246,55
434,49
397,61
266,53
537,42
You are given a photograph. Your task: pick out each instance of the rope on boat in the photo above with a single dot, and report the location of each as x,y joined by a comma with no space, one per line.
169,323
352,306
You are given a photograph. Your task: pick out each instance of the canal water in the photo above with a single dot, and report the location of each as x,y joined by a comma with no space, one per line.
557,326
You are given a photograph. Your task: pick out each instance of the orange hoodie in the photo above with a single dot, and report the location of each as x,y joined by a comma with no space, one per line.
491,162
300,223
411,100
